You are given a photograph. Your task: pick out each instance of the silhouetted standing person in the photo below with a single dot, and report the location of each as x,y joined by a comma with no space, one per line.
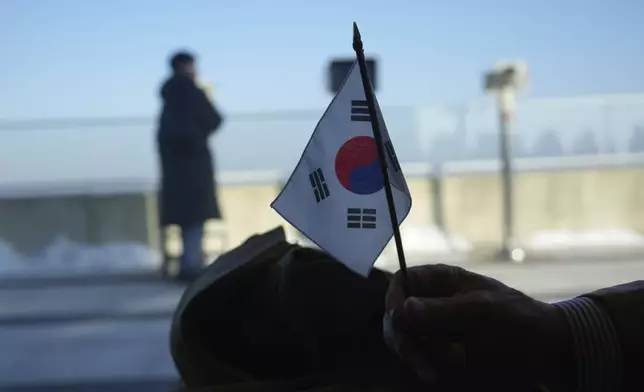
188,195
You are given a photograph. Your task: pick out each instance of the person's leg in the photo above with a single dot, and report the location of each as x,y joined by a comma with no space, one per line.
192,257
172,245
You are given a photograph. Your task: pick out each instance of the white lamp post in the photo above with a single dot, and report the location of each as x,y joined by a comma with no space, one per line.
504,80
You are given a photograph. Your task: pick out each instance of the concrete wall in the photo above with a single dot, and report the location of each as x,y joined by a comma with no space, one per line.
30,224
573,200
577,200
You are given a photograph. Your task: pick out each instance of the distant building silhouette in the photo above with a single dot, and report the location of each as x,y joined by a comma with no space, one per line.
636,141
547,145
518,145
608,147
487,146
447,146
585,143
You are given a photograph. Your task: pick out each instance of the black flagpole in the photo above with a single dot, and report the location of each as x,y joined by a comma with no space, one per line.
375,125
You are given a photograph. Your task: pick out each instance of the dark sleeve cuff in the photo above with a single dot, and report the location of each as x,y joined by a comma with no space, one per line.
597,349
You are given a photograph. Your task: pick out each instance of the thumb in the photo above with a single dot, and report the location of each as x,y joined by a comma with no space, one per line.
447,315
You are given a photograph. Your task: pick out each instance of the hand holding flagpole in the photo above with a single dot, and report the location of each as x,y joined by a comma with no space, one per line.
377,135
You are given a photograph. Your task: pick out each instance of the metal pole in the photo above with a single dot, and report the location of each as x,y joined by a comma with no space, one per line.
375,125
436,184
505,115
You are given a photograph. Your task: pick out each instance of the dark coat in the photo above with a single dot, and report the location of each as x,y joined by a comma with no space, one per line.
273,316
188,119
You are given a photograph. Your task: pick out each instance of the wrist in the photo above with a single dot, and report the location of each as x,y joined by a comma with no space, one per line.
596,346
561,369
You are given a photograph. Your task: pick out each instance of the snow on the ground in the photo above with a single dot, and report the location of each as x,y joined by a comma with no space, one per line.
565,239
416,240
422,244
66,257
430,239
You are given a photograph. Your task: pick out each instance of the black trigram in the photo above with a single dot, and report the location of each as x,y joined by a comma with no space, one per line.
318,183
361,218
392,155
359,111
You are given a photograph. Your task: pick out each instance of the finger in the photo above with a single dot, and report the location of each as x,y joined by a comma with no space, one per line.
451,375
437,280
395,297
434,362
451,316
441,280
423,361
390,333
433,358
423,281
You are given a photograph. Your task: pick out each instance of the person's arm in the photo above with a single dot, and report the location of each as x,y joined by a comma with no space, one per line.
206,112
607,327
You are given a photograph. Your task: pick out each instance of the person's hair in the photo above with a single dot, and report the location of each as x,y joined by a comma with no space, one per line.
180,59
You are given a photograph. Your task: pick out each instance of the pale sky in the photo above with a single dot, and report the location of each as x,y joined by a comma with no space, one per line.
79,58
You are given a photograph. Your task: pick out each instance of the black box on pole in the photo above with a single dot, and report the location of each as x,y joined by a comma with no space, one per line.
339,69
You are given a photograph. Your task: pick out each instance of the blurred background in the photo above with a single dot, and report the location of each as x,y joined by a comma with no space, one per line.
82,304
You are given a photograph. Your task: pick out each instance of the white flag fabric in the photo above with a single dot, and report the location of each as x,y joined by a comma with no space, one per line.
336,195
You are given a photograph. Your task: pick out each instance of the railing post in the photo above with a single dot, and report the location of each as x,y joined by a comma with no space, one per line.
436,184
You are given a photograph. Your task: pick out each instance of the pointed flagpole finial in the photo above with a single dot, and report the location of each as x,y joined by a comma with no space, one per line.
357,40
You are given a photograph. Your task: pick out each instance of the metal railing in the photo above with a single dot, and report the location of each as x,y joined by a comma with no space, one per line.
553,133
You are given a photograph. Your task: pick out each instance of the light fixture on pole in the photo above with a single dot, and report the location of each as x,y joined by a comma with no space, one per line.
339,68
504,80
